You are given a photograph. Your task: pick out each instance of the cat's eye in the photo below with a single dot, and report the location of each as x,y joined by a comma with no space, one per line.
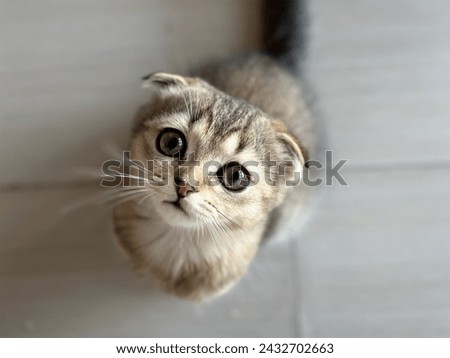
234,176
171,142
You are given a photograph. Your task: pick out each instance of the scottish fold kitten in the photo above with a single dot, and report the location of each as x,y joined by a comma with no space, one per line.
219,156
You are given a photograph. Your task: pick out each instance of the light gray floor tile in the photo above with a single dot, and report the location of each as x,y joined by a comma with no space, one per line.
353,33
388,129
70,73
66,277
380,77
375,259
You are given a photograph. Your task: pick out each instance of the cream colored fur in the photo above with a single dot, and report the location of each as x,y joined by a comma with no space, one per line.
203,249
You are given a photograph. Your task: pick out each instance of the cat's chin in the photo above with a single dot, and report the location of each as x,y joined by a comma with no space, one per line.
178,214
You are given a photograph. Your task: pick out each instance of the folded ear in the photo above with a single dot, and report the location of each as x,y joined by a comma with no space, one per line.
163,80
293,149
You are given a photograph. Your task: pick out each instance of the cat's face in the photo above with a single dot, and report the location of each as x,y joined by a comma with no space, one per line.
210,152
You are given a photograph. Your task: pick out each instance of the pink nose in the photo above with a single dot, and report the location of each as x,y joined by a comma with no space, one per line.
184,189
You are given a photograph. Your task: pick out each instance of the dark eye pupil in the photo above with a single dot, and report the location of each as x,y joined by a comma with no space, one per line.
174,143
171,142
234,176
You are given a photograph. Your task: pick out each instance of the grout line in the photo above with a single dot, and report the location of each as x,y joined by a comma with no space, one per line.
391,166
360,167
312,66
17,187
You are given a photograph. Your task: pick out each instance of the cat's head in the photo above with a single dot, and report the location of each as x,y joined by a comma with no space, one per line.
219,159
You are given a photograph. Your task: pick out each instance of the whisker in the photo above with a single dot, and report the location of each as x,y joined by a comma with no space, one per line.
126,198
101,198
190,103
186,104
148,196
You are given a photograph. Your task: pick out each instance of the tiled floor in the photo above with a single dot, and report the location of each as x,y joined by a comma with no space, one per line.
68,278
374,260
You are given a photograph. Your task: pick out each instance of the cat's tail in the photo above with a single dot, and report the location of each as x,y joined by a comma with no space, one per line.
284,31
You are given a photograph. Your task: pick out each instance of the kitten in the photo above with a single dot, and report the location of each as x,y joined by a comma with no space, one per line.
208,137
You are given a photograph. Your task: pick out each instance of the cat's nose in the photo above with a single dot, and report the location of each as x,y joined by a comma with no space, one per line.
183,188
